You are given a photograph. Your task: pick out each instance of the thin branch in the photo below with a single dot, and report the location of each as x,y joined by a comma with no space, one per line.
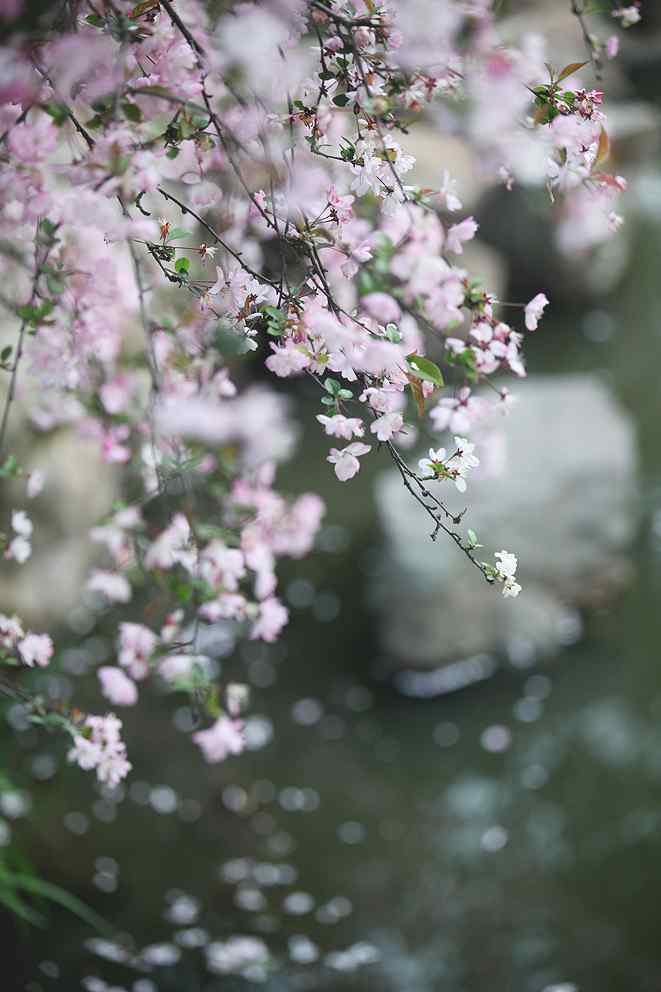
578,10
179,24
347,22
185,209
20,343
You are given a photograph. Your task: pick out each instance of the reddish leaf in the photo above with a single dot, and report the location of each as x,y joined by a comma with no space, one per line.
570,69
604,148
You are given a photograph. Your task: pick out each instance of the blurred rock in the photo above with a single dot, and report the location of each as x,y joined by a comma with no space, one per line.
564,501
79,490
435,150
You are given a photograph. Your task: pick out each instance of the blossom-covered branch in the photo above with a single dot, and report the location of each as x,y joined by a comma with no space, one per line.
180,196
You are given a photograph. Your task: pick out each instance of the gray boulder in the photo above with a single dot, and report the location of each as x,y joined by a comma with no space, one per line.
565,503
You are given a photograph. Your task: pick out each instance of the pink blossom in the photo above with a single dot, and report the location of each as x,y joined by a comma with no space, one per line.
627,15
447,193
457,413
346,461
137,643
117,686
226,606
36,482
340,426
113,449
358,253
181,666
34,140
11,631
271,619
223,738
612,46
388,399
459,233
296,533
115,394
382,306
21,523
287,361
19,549
171,547
387,425
534,311
113,586
101,748
222,565
341,205
36,649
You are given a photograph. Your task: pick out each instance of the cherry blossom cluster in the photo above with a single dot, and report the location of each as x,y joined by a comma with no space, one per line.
185,200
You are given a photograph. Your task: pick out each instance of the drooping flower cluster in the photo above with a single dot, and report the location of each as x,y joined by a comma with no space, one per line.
506,565
179,194
98,746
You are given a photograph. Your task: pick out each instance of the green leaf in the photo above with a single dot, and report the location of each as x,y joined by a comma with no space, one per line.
10,467
393,334
332,386
38,887
228,343
132,111
16,905
95,20
341,100
47,230
27,312
58,111
182,265
5,353
425,369
328,401
176,233
55,284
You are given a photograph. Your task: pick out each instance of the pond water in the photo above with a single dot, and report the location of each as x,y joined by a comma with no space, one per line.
508,836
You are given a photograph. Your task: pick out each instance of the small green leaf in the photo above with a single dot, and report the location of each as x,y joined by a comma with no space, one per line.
132,112
328,401
393,334
332,386
176,233
27,312
425,369
55,284
58,111
341,100
10,467
182,265
228,343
